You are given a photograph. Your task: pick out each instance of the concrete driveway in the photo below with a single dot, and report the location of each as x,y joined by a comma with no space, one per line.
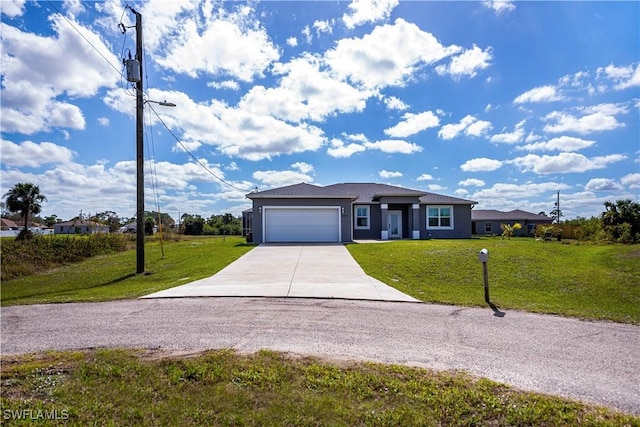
285,270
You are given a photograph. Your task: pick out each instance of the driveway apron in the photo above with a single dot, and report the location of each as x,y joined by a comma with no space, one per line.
284,270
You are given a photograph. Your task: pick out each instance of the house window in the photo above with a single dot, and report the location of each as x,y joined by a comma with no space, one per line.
362,217
487,227
440,217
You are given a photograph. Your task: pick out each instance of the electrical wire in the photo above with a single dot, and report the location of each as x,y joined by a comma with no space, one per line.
194,157
86,39
121,74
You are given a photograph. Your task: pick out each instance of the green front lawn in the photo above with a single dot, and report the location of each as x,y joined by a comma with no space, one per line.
583,280
128,387
110,277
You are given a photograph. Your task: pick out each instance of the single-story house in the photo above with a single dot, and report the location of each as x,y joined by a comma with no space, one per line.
7,224
80,227
346,212
488,221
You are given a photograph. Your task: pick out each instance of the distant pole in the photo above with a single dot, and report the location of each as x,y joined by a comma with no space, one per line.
558,207
139,152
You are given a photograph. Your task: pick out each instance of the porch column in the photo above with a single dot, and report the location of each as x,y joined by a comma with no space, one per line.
415,214
384,213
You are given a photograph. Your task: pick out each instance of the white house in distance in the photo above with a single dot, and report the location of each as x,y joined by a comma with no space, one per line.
80,227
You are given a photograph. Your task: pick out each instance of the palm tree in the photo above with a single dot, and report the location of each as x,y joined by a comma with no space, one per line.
25,198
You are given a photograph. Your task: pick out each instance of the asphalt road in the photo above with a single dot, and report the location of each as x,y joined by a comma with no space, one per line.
597,362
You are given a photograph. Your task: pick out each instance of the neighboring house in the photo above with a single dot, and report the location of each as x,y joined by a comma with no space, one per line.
7,224
347,212
488,221
80,227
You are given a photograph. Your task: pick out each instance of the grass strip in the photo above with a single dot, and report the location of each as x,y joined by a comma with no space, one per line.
593,281
135,387
112,277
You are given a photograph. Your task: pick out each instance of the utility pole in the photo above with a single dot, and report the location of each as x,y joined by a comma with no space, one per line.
139,151
558,207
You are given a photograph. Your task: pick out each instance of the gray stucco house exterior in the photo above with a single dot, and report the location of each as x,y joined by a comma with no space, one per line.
355,211
488,221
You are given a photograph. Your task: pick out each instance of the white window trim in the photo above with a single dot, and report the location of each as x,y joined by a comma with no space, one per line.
450,207
490,230
355,217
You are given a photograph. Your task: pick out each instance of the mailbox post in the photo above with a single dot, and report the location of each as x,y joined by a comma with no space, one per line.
483,257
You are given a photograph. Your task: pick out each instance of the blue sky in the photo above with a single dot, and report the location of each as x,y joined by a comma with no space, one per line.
500,102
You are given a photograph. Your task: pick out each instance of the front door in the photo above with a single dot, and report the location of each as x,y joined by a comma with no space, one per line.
395,224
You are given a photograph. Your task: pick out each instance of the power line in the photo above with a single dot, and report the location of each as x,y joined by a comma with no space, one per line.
194,157
152,109
86,39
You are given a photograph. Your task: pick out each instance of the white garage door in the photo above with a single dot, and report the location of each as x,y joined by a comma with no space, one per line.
317,224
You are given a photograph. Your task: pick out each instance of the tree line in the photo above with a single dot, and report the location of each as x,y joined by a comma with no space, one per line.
24,204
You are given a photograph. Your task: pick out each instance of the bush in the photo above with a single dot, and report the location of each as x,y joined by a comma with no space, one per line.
25,257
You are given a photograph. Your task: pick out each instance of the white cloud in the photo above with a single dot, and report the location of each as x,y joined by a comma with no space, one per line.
602,184
481,164
510,137
425,177
564,163
367,11
562,143
273,178
306,91
221,42
12,8
306,32
393,103
499,6
478,128
37,70
323,27
597,118
303,167
631,180
103,121
388,56
412,124
394,146
503,191
539,94
623,77
31,154
389,174
226,84
467,63
470,125
233,131
461,192
472,182
340,150
436,187
292,41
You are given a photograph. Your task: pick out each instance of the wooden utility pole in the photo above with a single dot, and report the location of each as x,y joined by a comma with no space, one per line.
139,152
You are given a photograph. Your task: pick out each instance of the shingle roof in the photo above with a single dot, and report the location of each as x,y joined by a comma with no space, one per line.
359,192
439,199
6,222
515,215
301,191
